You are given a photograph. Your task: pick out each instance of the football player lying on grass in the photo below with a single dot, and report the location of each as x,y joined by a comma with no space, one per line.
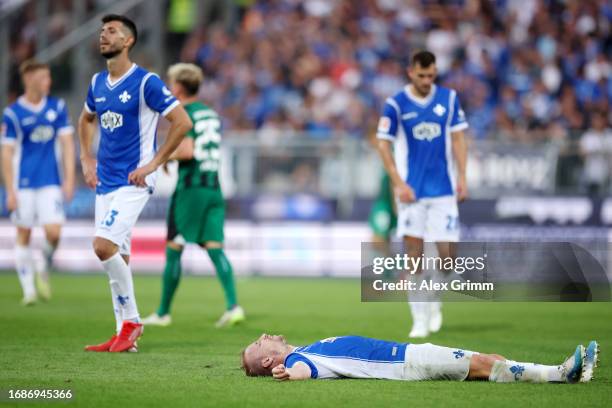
361,357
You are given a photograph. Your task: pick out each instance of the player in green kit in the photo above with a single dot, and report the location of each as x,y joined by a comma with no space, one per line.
197,209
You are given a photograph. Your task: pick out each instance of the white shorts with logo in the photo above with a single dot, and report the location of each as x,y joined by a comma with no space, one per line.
117,213
430,362
39,206
432,219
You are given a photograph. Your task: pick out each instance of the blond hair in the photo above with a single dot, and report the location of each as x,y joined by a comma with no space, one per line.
190,76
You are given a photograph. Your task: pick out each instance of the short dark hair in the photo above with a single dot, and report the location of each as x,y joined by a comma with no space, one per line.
125,21
31,65
423,58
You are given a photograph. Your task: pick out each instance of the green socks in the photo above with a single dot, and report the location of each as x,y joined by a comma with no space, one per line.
225,275
171,278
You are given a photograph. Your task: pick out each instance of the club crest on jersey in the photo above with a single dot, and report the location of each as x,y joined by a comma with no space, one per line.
124,97
426,131
111,120
51,115
439,110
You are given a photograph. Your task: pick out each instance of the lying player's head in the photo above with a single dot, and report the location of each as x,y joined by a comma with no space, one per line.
185,79
422,71
118,35
36,77
265,353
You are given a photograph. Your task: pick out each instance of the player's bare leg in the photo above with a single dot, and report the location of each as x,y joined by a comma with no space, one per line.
129,328
25,266
419,307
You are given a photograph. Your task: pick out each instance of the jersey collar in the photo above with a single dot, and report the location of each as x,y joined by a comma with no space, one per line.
418,100
113,84
30,106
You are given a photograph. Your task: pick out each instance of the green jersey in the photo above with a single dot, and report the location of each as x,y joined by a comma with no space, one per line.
202,170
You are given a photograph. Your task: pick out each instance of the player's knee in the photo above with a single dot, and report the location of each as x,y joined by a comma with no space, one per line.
212,245
23,236
103,248
53,237
174,245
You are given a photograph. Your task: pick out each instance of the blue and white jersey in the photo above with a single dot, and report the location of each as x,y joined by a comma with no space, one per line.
128,111
352,357
421,131
33,130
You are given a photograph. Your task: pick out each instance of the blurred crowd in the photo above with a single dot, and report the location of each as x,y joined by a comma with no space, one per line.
524,69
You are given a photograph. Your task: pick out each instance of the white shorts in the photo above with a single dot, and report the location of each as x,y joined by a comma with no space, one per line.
39,206
117,213
431,362
431,219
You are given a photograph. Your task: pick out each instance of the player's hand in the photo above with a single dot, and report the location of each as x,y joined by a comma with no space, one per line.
89,171
138,176
405,193
68,190
281,373
11,200
462,192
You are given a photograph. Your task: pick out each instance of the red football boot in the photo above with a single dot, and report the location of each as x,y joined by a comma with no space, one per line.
130,332
102,347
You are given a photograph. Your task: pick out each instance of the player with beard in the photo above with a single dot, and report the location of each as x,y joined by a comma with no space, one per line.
127,101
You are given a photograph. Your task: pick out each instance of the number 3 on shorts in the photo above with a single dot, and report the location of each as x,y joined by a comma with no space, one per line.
451,222
110,218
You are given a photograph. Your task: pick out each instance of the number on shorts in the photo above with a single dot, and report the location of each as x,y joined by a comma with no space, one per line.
451,223
110,218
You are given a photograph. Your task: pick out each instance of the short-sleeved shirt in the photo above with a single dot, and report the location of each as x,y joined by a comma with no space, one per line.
128,110
351,357
33,130
202,170
421,130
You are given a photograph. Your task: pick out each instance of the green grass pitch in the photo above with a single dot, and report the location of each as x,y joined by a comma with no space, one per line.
193,364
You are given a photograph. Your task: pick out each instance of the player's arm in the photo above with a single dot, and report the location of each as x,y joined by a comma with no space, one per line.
459,146
299,371
8,151
184,151
180,124
402,190
87,129
68,162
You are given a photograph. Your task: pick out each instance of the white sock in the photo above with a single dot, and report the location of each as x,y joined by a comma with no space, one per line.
116,308
25,270
419,307
122,287
513,371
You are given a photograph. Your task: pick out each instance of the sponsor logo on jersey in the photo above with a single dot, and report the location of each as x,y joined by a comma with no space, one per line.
100,99
51,115
42,134
111,120
426,131
124,97
384,124
439,110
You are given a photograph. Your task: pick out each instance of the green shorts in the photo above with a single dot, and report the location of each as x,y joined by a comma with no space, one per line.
196,214
382,218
